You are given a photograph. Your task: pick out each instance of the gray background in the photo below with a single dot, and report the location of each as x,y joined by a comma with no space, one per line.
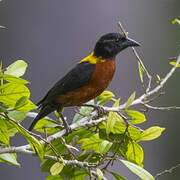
53,35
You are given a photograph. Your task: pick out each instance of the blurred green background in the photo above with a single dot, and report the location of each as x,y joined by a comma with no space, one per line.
52,36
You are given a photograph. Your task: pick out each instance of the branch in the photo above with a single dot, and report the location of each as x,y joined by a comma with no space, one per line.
5,115
69,148
143,97
88,120
82,123
161,108
167,171
85,165
138,58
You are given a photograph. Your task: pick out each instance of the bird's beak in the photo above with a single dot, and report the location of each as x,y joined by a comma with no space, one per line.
131,42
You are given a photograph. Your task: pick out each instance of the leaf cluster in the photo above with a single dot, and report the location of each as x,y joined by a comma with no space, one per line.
98,145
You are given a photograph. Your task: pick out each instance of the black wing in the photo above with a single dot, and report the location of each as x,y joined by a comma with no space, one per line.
78,77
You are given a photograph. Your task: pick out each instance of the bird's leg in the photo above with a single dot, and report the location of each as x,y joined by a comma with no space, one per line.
66,125
99,109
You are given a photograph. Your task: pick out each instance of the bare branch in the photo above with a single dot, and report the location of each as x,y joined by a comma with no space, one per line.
143,97
55,158
85,165
161,108
167,171
69,148
138,57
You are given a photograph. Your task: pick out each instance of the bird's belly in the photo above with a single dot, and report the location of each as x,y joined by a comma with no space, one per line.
100,79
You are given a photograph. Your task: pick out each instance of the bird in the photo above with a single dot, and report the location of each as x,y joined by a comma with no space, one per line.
87,80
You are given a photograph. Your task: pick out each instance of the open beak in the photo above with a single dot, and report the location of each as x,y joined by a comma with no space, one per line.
131,42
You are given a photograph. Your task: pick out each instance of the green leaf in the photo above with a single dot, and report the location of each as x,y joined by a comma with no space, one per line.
27,107
56,168
50,125
2,27
117,176
11,92
75,136
13,79
3,109
105,146
4,134
57,177
112,118
119,128
78,175
140,72
92,143
176,21
16,115
36,146
142,173
17,69
173,63
21,102
60,148
99,173
130,100
9,158
19,117
46,163
137,117
150,133
104,97
84,111
135,153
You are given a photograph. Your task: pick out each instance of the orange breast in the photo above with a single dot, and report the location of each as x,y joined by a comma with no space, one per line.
100,80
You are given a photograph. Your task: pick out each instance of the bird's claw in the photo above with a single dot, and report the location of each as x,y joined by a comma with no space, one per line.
68,131
100,110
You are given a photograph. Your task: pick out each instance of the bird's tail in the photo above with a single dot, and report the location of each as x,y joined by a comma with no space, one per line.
45,110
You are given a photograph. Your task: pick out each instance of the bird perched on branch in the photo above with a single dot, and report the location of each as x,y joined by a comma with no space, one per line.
87,80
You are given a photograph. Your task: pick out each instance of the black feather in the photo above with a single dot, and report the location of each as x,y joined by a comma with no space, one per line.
78,77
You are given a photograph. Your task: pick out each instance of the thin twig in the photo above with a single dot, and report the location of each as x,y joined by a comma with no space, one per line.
31,133
161,108
138,58
143,97
167,171
69,148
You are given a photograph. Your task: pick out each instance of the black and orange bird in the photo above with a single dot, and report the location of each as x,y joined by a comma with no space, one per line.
87,80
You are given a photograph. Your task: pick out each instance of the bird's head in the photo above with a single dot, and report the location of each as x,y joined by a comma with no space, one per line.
109,45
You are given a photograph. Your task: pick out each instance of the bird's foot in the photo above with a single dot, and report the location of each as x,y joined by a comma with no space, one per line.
68,130
66,125
100,110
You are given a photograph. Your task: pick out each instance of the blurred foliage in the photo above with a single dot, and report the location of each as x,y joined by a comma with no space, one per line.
176,21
